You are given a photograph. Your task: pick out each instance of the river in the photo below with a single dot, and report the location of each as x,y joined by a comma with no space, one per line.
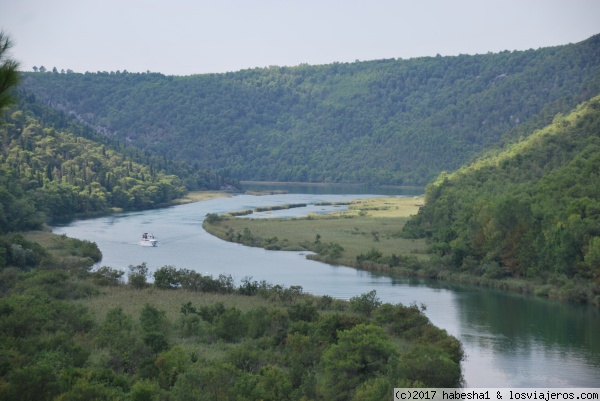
510,340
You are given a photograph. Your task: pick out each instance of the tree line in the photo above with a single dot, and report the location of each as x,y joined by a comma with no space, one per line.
374,122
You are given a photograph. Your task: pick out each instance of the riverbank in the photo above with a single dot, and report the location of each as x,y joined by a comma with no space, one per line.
199,196
499,329
367,236
69,333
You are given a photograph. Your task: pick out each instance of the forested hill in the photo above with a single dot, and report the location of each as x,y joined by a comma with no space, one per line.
53,167
375,122
532,210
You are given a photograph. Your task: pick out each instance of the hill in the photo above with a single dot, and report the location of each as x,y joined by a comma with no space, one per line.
71,334
377,122
530,211
52,167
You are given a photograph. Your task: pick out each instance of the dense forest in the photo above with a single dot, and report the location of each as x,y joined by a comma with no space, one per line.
53,167
529,211
393,121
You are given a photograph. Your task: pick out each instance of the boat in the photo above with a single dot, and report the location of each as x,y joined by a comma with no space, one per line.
148,240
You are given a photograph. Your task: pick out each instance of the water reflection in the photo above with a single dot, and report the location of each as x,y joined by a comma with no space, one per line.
532,339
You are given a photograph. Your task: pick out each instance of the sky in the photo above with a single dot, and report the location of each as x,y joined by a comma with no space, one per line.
184,37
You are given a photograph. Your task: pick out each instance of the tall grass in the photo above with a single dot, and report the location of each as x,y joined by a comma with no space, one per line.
133,300
366,224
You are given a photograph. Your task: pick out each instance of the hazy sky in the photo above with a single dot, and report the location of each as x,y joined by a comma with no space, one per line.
180,37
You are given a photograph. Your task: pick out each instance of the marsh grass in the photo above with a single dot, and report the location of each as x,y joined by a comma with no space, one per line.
198,196
133,301
52,242
367,224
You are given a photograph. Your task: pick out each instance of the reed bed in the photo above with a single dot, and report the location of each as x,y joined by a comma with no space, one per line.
133,300
367,224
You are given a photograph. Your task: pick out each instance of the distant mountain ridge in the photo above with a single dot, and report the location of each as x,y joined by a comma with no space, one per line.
392,121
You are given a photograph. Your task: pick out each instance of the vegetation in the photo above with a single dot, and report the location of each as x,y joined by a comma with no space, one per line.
52,167
531,211
366,235
47,173
396,122
75,334
9,75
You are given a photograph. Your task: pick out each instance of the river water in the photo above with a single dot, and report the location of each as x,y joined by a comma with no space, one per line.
510,340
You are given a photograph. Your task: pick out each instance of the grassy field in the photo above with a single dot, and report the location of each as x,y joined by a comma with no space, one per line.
369,224
170,301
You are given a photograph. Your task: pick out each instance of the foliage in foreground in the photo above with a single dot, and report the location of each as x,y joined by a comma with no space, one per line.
286,346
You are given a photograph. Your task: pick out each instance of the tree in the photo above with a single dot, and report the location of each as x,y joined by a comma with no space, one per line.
9,75
138,275
167,277
361,353
107,276
365,303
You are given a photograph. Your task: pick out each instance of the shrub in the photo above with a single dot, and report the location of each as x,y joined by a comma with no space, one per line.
360,354
365,303
434,369
374,255
231,325
213,218
138,276
107,276
248,287
167,277
305,311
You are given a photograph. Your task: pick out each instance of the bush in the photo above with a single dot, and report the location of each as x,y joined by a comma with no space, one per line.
305,311
433,368
17,251
107,276
213,218
374,255
365,303
330,251
231,325
167,277
404,321
360,354
573,293
138,276
249,287
492,270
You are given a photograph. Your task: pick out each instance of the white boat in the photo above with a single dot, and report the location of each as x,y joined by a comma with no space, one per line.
148,240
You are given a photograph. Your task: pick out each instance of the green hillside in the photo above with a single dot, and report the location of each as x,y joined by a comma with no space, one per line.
530,211
67,333
375,122
52,167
